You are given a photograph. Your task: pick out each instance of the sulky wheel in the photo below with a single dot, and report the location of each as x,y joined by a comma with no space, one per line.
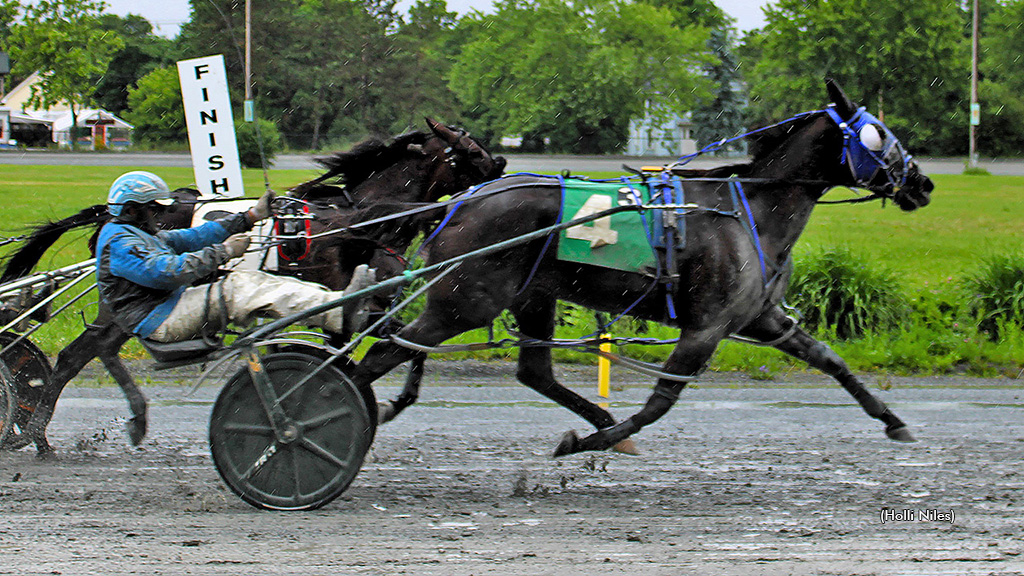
318,447
30,371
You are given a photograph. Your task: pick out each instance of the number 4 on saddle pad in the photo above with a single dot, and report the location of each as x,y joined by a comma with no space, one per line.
619,241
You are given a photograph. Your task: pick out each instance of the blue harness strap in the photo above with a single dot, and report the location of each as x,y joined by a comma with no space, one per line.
737,189
547,241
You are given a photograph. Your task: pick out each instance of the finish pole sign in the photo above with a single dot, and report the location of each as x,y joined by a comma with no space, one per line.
211,129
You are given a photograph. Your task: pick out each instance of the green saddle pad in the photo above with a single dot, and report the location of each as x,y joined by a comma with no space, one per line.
618,241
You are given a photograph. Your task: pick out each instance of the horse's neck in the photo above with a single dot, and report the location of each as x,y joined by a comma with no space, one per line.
800,172
401,182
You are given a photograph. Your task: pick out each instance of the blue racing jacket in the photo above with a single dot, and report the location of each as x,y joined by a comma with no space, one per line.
141,276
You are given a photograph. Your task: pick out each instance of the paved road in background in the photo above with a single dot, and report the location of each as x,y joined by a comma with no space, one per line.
517,162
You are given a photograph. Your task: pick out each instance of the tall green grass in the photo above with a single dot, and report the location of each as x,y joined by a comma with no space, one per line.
995,293
836,289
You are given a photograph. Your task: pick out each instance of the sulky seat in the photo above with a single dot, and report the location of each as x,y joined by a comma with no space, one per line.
172,352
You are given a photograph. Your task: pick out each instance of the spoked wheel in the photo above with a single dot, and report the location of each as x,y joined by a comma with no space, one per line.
29,371
315,449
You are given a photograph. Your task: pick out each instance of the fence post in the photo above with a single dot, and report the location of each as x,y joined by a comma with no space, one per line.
604,369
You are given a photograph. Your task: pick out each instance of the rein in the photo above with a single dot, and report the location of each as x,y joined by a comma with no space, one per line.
858,157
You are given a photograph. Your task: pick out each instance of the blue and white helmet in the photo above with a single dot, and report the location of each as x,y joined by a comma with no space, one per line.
138,186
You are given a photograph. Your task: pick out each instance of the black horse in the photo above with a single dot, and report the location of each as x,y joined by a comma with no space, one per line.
728,277
373,176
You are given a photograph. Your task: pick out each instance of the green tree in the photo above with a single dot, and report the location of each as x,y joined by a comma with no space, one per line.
218,27
426,44
64,42
1001,92
344,77
318,65
142,53
575,72
9,10
905,61
258,141
686,13
720,116
156,109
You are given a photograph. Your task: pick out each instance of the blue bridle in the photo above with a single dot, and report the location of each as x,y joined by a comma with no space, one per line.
890,158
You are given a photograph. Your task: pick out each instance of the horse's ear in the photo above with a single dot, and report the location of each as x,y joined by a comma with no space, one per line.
844,106
442,131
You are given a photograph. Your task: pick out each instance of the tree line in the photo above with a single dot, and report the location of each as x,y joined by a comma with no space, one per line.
565,75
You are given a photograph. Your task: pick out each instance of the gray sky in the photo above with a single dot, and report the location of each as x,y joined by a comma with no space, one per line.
168,15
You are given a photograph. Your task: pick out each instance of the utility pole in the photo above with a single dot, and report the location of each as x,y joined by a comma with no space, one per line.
972,159
248,110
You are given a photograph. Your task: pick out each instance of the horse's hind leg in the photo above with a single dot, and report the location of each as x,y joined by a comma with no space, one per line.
70,362
138,423
775,325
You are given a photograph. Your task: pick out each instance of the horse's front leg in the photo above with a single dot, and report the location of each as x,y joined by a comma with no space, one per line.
388,410
428,330
688,358
536,319
775,326
138,424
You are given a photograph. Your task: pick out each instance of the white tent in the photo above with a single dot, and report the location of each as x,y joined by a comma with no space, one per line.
102,129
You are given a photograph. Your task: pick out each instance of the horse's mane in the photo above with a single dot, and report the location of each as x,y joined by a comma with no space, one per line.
762,143
349,169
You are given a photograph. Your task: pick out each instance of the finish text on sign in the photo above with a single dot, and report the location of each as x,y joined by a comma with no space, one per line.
211,129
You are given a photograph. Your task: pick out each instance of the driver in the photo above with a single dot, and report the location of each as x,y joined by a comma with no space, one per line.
161,285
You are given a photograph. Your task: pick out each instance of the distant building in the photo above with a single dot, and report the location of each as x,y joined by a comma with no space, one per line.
668,137
5,129
98,129
29,132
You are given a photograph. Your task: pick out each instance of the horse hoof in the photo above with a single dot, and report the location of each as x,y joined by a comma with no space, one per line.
17,442
626,447
136,430
900,434
385,412
569,444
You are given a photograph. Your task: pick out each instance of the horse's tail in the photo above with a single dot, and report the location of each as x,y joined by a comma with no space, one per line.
24,260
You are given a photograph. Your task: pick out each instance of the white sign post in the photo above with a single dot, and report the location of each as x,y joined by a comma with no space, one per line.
211,128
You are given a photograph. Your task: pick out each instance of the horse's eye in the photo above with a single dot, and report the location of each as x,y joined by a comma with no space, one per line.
871,137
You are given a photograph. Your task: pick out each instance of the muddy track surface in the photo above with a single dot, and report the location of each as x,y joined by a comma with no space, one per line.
740,478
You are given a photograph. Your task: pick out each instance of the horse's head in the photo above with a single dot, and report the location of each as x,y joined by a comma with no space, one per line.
413,167
875,159
457,160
